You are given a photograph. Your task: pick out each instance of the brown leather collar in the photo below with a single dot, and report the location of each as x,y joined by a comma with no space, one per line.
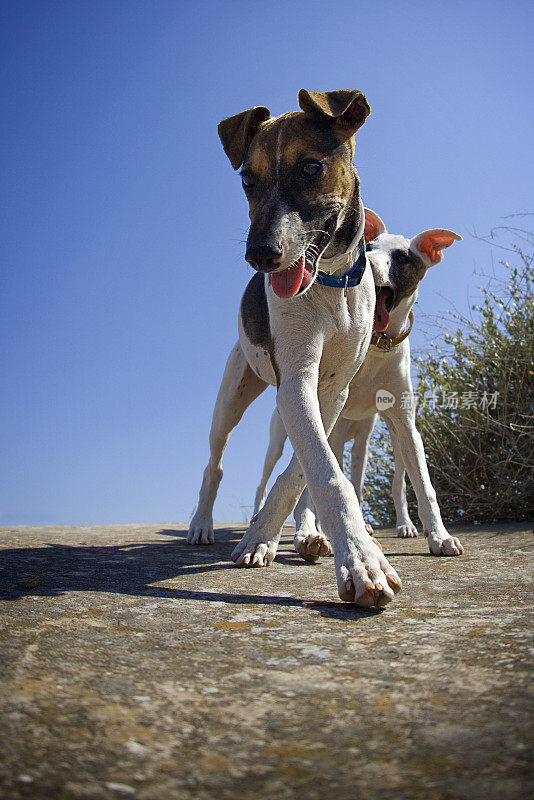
385,342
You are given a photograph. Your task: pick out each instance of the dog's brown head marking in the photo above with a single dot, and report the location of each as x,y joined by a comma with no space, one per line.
298,176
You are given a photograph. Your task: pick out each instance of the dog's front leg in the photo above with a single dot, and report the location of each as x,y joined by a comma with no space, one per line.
259,544
363,573
309,540
405,527
407,439
361,431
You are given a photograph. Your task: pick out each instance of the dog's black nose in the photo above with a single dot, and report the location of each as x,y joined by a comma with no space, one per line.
264,257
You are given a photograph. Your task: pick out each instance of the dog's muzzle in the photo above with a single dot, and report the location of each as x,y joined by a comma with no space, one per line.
264,257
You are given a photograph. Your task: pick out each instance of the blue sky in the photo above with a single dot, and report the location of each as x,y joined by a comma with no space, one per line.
122,222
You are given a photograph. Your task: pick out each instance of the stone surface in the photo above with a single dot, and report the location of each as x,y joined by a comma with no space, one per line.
134,665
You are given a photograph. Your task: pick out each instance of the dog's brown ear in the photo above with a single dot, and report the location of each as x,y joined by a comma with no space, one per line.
347,107
429,244
237,132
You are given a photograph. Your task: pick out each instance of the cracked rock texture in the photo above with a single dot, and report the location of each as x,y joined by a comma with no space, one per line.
134,665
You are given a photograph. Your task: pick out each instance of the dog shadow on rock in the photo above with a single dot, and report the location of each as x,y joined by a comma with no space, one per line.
136,569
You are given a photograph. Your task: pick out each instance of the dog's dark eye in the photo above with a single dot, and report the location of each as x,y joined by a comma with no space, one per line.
401,257
311,168
246,180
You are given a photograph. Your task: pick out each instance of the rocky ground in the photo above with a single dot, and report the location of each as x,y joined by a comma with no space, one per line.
134,665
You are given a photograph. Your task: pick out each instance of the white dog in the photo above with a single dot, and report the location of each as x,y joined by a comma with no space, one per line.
382,383
305,324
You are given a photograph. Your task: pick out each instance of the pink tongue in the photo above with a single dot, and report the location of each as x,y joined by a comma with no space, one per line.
381,313
287,283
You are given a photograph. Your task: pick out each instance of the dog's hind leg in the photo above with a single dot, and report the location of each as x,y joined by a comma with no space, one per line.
277,438
239,387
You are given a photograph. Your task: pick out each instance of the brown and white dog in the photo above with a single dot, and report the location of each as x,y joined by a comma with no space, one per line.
305,337
384,378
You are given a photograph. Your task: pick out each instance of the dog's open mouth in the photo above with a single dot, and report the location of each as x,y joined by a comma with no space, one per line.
383,305
301,273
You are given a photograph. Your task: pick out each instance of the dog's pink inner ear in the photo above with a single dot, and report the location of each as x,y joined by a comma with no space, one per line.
431,243
374,226
355,115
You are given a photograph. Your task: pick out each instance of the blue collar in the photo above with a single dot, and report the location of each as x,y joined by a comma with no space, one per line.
351,278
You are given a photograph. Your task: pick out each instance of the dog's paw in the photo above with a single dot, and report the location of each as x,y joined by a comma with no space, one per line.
407,531
441,543
365,576
312,546
200,532
257,547
369,528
